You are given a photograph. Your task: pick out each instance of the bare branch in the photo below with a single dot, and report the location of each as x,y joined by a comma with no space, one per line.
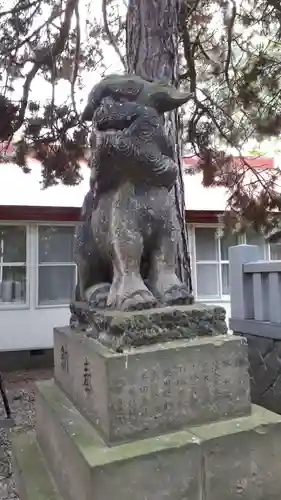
19,8
76,57
46,58
230,25
110,35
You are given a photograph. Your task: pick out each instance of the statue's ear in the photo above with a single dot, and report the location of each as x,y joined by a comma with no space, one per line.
95,97
88,113
166,98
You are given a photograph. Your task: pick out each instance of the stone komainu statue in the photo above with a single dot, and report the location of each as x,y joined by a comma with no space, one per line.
126,244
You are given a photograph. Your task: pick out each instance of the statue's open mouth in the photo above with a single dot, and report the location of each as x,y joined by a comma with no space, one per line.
111,115
114,117
115,124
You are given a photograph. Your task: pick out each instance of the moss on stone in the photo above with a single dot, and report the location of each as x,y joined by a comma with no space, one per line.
34,479
132,329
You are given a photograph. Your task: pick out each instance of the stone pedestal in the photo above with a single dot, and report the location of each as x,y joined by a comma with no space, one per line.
153,389
157,422
264,355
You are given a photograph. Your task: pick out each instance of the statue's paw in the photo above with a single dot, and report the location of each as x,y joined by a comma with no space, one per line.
138,300
74,322
97,295
177,295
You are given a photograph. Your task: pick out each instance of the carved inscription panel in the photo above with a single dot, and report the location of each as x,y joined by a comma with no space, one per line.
87,376
64,362
193,390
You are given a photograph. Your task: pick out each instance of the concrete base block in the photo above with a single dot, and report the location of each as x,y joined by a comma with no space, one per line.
85,468
241,457
153,389
33,479
227,460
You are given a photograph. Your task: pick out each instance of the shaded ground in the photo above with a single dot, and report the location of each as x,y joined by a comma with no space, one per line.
20,390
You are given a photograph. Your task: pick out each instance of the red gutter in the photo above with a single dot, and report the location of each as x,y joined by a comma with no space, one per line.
72,214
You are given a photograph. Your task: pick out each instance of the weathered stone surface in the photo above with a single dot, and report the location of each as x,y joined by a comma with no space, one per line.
154,389
127,242
85,468
229,460
265,371
34,481
241,457
120,330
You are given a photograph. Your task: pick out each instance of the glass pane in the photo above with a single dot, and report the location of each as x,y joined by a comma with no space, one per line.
56,284
275,251
206,243
226,242
13,284
13,243
225,279
207,280
253,238
56,244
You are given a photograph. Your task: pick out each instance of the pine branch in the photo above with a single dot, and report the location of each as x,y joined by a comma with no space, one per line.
46,57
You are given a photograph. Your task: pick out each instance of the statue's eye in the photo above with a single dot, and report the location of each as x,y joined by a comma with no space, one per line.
132,90
126,90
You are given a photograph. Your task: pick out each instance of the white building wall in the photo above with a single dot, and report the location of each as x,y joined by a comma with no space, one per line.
33,328
30,326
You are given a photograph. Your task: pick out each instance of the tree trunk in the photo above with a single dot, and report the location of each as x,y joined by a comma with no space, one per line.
152,53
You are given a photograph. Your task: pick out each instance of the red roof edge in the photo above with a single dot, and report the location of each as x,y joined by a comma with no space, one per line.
72,214
252,161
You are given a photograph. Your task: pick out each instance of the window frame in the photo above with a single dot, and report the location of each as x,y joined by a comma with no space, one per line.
268,251
266,246
218,263
50,264
7,306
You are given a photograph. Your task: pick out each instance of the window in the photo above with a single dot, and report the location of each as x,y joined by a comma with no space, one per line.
253,238
13,264
212,265
275,250
57,269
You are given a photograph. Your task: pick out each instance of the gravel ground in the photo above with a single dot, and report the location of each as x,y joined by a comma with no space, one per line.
20,391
